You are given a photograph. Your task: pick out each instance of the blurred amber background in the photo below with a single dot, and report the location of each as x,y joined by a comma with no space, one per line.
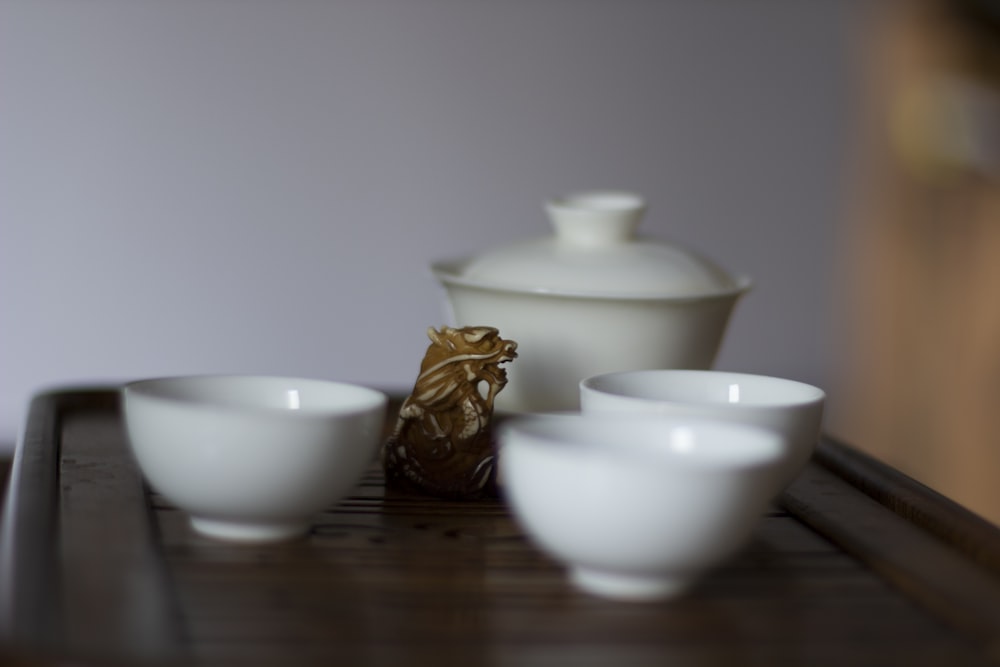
921,382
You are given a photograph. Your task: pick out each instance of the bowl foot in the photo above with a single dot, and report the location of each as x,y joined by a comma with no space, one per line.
637,588
240,531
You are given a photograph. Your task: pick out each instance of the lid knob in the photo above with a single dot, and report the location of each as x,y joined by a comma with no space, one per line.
596,218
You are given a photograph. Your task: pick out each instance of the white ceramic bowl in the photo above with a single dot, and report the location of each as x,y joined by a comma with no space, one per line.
637,507
252,458
593,298
793,409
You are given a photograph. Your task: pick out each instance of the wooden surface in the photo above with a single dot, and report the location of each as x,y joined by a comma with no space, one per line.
833,577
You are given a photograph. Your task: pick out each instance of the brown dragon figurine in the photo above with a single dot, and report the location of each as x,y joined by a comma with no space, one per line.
442,442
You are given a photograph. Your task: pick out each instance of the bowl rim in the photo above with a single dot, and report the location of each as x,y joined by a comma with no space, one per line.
368,398
770,449
812,395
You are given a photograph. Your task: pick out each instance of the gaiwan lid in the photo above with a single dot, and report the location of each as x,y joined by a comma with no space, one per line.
595,252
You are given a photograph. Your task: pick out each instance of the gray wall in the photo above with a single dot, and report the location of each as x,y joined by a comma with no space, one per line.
258,186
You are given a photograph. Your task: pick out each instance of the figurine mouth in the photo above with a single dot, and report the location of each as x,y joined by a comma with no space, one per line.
508,355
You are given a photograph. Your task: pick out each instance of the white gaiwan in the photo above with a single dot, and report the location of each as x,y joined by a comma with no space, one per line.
592,299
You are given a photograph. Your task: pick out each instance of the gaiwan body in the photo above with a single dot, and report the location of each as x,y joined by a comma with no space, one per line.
442,444
593,298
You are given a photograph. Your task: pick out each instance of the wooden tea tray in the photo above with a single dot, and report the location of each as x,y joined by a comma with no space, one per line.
857,565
